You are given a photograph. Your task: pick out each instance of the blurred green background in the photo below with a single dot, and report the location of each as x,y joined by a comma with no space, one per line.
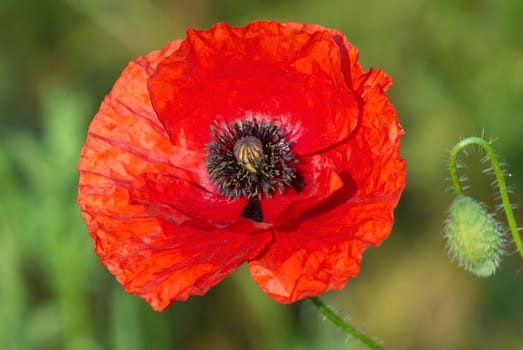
458,70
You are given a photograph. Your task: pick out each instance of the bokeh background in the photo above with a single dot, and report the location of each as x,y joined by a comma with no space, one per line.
458,70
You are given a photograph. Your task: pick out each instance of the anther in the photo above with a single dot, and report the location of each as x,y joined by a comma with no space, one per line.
248,151
251,159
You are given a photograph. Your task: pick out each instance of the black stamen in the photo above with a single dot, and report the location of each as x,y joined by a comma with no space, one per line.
251,159
298,183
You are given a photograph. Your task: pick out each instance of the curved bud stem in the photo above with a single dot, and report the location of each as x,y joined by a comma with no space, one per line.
347,328
499,178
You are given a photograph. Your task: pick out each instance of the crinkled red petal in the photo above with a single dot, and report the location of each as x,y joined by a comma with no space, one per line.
164,194
153,254
291,74
317,253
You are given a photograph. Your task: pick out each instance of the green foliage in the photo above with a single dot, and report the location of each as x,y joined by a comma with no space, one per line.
457,68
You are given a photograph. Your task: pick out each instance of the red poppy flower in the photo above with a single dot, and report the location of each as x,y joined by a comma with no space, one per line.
264,144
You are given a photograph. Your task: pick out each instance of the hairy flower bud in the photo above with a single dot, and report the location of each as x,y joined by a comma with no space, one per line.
474,238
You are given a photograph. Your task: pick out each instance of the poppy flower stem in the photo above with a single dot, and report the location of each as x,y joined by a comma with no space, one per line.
347,328
453,167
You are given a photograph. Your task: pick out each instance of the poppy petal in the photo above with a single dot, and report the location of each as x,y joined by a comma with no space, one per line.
162,262
149,255
267,70
290,271
324,249
162,194
323,252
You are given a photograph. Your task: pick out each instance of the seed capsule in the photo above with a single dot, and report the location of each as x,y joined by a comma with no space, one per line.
248,151
473,237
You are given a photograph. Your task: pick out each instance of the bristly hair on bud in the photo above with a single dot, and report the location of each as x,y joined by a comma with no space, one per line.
474,237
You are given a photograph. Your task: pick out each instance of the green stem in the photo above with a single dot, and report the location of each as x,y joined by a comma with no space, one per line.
453,167
347,328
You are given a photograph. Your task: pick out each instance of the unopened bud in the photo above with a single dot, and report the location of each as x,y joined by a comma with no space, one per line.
474,238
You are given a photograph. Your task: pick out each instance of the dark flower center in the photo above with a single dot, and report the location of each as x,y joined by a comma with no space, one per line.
251,159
